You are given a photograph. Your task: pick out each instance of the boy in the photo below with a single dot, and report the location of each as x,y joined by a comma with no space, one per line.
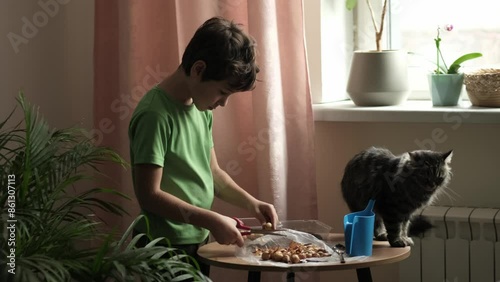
174,166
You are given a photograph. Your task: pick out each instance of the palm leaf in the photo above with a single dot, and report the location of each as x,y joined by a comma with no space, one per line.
56,215
38,266
126,262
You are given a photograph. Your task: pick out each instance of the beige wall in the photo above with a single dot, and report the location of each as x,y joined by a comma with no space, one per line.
476,172
46,50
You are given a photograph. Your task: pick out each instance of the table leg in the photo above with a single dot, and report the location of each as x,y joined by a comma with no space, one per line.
364,274
290,276
254,276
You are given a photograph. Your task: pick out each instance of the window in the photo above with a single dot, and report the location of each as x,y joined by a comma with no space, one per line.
410,25
476,29
329,37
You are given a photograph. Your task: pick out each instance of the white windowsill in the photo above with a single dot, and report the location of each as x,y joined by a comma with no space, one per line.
410,111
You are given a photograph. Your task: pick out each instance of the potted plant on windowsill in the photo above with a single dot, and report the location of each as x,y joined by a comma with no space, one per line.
378,77
445,82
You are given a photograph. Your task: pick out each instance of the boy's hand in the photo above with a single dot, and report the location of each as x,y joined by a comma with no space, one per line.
265,212
224,230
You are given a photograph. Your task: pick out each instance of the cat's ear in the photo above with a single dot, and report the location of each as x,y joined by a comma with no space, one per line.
412,155
447,157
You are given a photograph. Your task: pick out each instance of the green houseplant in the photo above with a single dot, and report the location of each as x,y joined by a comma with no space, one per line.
445,82
441,67
377,77
49,218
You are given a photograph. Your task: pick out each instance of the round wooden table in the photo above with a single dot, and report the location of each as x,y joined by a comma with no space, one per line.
224,256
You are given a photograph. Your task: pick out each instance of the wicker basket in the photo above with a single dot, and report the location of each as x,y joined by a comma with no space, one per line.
483,87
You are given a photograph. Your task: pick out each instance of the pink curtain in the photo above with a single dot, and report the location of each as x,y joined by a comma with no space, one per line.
263,138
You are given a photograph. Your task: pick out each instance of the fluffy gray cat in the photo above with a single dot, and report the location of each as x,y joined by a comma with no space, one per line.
401,185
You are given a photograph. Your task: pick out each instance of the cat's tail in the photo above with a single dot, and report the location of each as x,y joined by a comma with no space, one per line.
418,226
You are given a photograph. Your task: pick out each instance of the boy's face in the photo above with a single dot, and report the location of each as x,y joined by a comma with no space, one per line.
208,94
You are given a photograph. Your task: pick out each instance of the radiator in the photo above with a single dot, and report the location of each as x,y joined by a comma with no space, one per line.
464,246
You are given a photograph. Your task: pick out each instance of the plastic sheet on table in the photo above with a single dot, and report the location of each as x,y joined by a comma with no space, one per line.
247,252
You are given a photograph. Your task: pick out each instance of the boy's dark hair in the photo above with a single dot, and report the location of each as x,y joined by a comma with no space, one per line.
229,54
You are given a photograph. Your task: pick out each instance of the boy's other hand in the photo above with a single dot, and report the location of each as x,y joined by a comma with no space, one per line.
224,230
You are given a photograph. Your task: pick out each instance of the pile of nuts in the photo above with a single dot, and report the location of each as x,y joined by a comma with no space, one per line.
295,253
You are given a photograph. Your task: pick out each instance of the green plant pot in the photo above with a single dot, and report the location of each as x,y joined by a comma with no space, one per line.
445,88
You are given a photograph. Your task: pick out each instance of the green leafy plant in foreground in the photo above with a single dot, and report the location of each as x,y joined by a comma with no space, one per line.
42,172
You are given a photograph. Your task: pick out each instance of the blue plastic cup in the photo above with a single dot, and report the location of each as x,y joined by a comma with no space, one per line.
358,231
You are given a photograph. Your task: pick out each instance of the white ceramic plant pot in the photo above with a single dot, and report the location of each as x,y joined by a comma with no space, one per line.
378,78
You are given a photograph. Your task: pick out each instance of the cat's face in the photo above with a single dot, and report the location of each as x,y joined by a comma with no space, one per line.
435,164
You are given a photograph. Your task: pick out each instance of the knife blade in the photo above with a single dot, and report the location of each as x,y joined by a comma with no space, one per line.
266,232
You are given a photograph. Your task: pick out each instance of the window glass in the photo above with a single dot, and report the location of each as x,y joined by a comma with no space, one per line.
476,28
332,33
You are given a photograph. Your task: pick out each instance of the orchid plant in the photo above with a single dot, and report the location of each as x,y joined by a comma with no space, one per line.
453,69
350,4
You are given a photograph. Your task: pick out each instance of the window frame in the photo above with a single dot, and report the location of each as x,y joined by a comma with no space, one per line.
328,77
345,31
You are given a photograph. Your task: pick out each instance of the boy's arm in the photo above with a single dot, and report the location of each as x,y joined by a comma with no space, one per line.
152,199
227,190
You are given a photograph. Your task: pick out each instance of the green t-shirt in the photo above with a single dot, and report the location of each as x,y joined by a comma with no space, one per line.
178,138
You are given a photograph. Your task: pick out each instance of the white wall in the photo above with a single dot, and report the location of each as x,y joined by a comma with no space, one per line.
47,51
476,173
